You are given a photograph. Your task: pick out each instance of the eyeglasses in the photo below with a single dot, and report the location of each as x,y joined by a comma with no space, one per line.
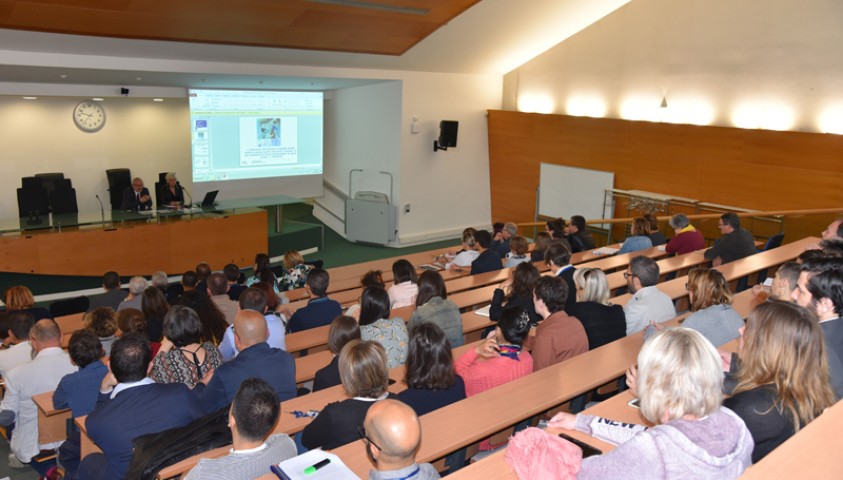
362,432
687,288
626,275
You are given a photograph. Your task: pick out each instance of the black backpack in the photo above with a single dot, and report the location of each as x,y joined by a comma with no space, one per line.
155,451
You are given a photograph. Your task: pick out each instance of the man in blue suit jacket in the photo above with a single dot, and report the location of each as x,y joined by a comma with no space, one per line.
131,405
488,260
256,359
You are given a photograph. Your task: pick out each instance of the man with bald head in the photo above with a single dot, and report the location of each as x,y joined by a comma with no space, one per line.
39,375
392,437
256,359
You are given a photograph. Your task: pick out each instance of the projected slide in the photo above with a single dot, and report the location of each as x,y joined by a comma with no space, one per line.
238,135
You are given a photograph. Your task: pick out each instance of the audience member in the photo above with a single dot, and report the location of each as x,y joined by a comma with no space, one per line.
648,304
736,242
372,278
131,404
213,321
501,240
160,281
103,322
183,357
558,258
376,325
499,359
832,247
256,359
261,263
131,320
392,434
343,330
232,276
519,250
252,417
809,255
559,337
273,301
783,283
686,238
39,375
112,295
540,244
18,350
78,391
782,380
154,307
516,290
365,378
834,230
136,197
20,299
679,383
433,306
404,284
603,322
432,382
640,238
656,236
218,291
711,303
320,310
186,285
487,260
203,271
295,271
468,254
137,285
580,238
254,299
558,231
820,290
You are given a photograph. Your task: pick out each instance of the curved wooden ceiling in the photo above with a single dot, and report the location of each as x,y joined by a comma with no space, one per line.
388,27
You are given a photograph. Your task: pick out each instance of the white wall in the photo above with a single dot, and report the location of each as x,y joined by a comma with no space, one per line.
751,63
39,136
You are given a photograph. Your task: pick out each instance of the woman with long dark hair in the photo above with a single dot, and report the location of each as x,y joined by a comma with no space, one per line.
433,306
431,380
376,325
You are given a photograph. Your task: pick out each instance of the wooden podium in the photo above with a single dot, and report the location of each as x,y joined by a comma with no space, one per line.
173,244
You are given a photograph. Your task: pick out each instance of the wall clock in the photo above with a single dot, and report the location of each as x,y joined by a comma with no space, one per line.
89,116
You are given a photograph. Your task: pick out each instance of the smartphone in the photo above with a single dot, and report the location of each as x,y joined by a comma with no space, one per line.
633,403
587,450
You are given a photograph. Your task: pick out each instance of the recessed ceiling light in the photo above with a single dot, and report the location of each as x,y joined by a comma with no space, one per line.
157,99
30,98
97,99
63,76
138,78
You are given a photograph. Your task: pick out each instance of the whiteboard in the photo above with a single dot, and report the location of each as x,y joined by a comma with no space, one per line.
566,191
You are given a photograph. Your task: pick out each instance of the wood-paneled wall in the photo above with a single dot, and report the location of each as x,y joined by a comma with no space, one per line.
755,169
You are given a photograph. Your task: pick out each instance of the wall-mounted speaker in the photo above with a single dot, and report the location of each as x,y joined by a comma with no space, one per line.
447,135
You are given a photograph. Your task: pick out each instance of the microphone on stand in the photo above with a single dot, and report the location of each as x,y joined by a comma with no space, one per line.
102,209
190,205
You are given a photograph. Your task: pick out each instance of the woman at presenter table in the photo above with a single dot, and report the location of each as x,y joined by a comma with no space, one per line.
172,193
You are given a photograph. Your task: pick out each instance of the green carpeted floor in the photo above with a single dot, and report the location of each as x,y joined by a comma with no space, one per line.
301,230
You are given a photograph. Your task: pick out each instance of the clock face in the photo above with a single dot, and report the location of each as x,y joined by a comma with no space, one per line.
89,116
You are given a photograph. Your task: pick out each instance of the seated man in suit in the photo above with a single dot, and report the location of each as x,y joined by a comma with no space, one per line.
131,404
392,434
488,260
252,417
256,359
320,310
112,295
736,242
254,299
41,374
136,197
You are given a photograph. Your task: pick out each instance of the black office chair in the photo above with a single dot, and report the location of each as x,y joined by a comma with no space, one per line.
63,201
50,180
119,179
33,202
773,242
69,306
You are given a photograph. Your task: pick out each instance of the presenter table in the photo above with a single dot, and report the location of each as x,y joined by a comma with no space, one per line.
133,243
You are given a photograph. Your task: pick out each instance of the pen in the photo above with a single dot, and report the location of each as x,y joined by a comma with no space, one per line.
316,466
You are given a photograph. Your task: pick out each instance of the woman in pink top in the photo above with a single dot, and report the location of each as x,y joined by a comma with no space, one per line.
405,284
499,359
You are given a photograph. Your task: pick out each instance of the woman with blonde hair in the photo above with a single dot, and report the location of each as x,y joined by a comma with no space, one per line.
679,385
603,322
711,303
782,379
296,271
469,251
519,247
102,321
540,244
20,298
640,238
